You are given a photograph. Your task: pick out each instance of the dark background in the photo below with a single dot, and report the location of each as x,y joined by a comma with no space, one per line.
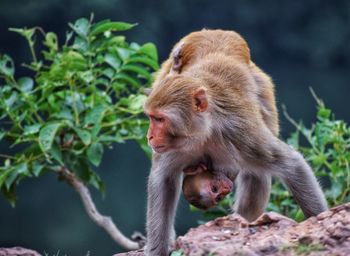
299,43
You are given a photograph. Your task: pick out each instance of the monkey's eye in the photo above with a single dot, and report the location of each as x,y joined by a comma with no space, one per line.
214,189
158,119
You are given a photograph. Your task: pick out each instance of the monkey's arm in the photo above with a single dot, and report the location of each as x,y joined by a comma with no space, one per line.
163,194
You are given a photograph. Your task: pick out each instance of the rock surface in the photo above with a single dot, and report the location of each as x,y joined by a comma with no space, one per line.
271,234
18,251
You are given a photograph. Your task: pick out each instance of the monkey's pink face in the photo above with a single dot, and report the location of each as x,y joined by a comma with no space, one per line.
158,135
176,126
204,189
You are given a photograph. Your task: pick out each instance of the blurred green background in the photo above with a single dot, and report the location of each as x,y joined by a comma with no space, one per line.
299,43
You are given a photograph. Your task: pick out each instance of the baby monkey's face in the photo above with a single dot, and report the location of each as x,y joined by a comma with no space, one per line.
205,188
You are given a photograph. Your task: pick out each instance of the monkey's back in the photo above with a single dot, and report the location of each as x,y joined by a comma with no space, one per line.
224,58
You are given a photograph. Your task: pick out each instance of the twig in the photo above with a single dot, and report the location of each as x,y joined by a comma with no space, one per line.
105,222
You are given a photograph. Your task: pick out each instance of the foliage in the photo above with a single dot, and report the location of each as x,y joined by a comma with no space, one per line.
327,150
177,253
84,95
326,147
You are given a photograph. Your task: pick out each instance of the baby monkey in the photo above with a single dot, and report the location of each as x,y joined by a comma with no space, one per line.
203,187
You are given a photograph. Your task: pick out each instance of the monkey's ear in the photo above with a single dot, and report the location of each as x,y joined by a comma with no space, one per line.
177,58
147,91
199,100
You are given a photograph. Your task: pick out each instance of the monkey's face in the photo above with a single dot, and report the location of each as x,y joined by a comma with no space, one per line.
158,134
177,112
205,189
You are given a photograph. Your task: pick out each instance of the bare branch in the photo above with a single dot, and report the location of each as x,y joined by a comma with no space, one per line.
105,222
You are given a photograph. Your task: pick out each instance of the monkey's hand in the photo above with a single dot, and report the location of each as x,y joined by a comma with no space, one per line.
139,238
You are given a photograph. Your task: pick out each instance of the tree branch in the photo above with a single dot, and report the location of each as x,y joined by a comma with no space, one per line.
105,222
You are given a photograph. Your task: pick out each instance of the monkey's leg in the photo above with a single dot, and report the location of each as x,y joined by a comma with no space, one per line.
252,194
300,179
163,195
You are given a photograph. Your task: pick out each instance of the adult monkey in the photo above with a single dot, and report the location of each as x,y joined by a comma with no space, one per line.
210,100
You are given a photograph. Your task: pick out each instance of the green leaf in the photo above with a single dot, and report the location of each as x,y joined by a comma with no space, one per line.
136,102
56,153
94,153
11,100
153,64
47,135
10,195
137,69
109,138
124,53
80,44
177,253
31,129
95,115
75,60
51,41
109,72
81,27
87,76
96,181
324,113
80,167
64,114
2,134
112,60
37,168
84,135
110,26
150,50
7,67
26,32
4,173
134,46
128,79
16,171
25,84
95,130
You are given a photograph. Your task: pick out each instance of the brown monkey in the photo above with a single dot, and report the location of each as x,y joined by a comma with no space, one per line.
210,99
204,188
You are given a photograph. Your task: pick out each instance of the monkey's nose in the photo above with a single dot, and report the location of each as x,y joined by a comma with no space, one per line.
149,138
219,198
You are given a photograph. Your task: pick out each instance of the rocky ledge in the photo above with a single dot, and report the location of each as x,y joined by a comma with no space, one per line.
271,234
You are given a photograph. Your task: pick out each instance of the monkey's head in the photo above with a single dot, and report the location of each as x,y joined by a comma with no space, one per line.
177,108
179,103
204,188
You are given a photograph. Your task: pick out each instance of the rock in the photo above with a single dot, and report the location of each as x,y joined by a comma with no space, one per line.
132,253
18,251
271,234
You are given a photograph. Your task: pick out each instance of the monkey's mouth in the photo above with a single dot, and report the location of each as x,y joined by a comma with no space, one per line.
159,149
201,206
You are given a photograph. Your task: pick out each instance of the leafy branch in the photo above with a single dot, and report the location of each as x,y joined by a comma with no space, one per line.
82,97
